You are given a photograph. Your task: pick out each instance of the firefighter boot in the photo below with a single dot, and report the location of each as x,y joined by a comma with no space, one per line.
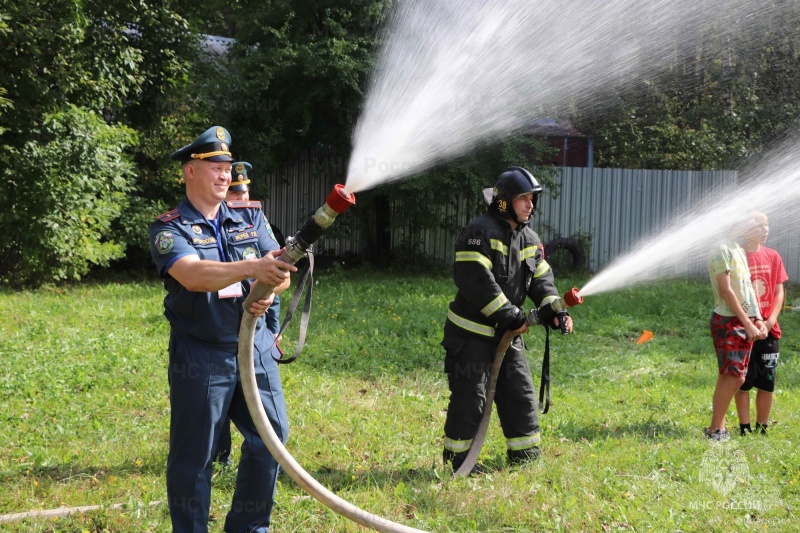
516,457
455,460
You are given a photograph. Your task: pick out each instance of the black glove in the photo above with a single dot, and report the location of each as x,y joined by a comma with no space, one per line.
562,322
518,321
546,314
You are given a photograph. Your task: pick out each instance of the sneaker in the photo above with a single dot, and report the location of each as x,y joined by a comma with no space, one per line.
744,429
717,434
762,428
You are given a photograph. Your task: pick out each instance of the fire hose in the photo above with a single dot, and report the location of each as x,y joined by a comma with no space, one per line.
542,315
296,248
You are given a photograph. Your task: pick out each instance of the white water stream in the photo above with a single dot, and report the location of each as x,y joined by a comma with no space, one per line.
452,75
771,186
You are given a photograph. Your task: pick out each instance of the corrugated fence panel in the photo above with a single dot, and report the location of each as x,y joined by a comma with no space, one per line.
438,243
299,190
616,208
784,229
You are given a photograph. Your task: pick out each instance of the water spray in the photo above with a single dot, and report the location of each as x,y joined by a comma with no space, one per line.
543,315
297,247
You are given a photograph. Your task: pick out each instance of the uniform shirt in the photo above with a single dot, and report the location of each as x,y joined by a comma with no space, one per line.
730,257
495,268
766,271
244,233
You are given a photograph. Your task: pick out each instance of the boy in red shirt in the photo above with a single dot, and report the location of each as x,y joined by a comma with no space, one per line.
767,275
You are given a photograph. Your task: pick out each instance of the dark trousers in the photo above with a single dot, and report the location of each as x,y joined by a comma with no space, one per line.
223,453
204,391
468,362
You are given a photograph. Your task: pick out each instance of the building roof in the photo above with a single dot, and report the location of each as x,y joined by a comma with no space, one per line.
550,127
217,46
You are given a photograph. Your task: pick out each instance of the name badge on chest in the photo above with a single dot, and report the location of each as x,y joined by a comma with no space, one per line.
231,291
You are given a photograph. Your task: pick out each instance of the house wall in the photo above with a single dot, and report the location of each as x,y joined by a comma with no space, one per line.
577,151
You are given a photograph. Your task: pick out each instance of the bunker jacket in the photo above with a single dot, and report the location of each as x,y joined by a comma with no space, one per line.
495,268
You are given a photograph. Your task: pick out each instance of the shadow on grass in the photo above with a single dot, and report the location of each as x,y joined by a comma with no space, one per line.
648,430
344,480
65,472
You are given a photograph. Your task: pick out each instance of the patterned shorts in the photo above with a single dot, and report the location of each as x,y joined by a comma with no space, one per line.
731,345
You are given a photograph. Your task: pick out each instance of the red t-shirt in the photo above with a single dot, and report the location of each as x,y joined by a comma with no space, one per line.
766,271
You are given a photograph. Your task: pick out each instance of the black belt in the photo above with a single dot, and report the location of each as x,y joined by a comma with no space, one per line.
544,388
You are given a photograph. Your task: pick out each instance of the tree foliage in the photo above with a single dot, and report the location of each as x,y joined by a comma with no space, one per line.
298,74
712,108
57,214
86,71
443,197
132,80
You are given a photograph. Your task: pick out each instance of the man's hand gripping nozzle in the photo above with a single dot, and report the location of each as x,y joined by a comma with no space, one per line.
556,308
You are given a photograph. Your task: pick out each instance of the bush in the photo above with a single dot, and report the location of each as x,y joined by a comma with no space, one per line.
59,195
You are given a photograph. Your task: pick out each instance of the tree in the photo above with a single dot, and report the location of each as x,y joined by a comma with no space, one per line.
299,70
72,69
57,224
443,197
714,106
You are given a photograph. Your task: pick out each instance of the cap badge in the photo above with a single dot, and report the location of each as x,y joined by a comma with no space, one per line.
221,134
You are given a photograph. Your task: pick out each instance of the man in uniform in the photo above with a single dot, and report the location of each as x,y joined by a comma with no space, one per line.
208,255
240,183
499,261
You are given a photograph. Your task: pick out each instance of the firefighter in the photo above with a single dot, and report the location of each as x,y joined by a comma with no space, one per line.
499,260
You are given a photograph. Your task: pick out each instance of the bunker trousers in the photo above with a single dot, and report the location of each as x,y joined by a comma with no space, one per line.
468,361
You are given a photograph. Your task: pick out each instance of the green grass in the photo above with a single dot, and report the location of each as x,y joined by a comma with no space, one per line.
84,415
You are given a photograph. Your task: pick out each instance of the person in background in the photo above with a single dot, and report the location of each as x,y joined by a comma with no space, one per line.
239,191
767,275
209,256
499,262
735,323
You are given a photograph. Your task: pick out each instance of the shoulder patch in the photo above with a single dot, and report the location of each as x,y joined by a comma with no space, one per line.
164,242
269,231
169,215
251,204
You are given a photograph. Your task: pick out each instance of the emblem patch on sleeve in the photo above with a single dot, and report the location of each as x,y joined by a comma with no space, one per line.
269,230
164,241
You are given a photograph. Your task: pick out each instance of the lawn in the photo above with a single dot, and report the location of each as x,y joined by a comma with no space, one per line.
84,403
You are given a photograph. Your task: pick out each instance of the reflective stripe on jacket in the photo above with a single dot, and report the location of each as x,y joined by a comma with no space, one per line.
495,268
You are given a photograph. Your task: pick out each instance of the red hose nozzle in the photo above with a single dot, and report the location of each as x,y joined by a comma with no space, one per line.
572,297
340,200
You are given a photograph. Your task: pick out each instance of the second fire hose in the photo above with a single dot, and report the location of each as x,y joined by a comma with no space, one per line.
543,315
296,248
